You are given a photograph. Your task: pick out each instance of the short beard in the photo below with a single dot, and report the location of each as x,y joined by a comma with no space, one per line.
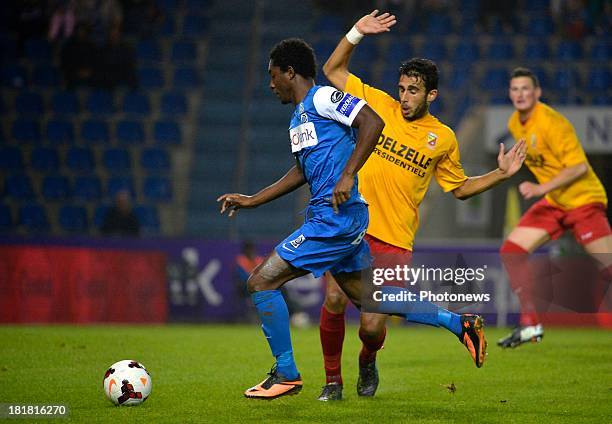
419,113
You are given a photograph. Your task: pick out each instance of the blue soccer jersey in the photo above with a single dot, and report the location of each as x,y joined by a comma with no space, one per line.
322,140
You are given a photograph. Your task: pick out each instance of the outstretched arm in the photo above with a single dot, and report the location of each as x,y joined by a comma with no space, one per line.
370,126
336,67
293,179
508,165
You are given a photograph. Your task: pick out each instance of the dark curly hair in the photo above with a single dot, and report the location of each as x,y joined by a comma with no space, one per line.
424,69
296,53
525,72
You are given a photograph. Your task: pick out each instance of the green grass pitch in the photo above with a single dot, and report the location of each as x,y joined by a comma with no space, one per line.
199,373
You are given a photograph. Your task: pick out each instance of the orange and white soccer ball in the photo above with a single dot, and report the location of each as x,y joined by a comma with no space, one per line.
127,383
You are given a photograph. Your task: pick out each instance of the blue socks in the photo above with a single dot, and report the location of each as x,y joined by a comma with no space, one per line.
419,311
274,316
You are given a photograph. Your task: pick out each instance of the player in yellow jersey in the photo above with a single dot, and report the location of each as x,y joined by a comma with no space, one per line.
573,197
414,148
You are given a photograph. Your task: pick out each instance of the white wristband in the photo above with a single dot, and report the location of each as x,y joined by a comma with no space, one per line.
354,36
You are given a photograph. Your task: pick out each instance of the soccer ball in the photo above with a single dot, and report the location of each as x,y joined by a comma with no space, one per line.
127,383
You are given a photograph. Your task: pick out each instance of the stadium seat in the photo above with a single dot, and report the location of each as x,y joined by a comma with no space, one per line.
19,186
136,104
538,6
26,131
329,25
157,189
14,76
568,98
569,50
60,132
116,184
435,51
167,132
148,51
46,76
543,76
566,79
495,79
185,77
151,78
116,159
599,79
55,187
29,103
11,159
148,219
500,50
397,53
536,50
95,132
466,51
45,159
99,215
100,103
130,132
195,26
33,217
602,99
601,51
153,160
73,219
80,159
168,27
87,188
459,77
38,50
439,25
6,218
173,104
184,51
539,26
65,103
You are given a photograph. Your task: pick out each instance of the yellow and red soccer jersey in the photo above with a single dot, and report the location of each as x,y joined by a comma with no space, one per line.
395,178
552,145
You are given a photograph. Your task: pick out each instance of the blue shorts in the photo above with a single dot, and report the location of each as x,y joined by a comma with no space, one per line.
328,241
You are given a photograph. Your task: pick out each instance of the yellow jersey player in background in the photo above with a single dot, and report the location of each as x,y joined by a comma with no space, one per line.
573,197
413,148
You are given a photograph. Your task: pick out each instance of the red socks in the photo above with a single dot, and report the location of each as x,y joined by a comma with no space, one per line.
516,262
371,345
331,330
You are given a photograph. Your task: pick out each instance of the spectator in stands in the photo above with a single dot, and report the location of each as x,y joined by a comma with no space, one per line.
30,20
78,58
118,62
62,22
142,17
120,220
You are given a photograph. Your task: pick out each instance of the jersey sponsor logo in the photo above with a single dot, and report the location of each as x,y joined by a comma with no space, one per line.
413,156
298,241
302,136
431,140
336,96
536,161
348,104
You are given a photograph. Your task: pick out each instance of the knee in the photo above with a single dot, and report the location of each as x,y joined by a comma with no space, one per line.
372,325
335,299
255,283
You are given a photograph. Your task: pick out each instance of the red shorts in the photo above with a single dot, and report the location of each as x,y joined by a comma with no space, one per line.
588,222
383,253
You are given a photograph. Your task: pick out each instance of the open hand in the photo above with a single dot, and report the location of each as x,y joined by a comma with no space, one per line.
372,24
509,163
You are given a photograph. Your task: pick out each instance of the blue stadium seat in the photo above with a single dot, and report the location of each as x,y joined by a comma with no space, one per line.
116,184
45,159
601,51
26,131
495,79
60,132
136,104
566,79
543,76
539,6
130,132
397,53
195,26
185,77
46,76
539,26
500,50
569,50
148,219
29,103
100,103
99,215
38,50
602,99
167,132
536,50
168,5
433,50
439,25
599,79
33,217
65,103
173,104
87,188
151,78
6,218
466,51
116,159
148,51
168,27
80,159
184,51
73,219
566,98
55,187
14,76
94,132
11,159
329,25
19,186
157,189
153,159
459,77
